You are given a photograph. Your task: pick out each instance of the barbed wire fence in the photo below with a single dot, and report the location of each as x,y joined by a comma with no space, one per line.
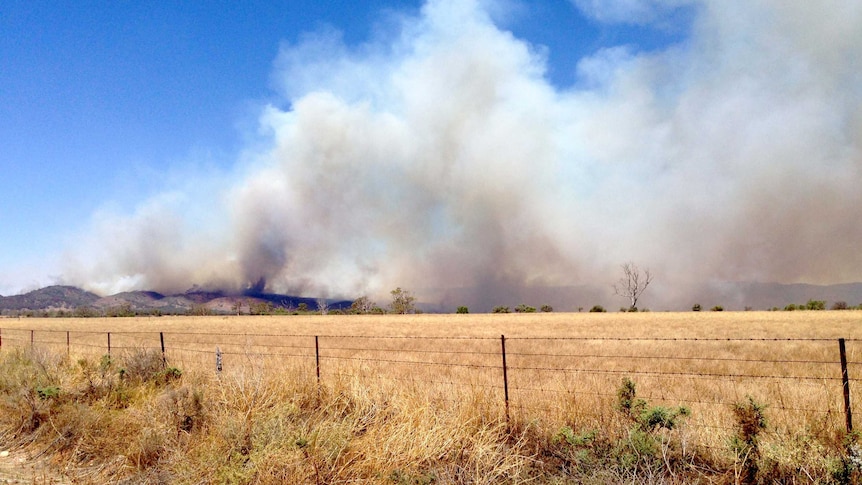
804,382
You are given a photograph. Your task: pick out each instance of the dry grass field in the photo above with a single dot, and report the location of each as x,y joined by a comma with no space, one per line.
422,398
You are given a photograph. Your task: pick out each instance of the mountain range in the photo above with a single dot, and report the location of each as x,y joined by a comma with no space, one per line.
72,299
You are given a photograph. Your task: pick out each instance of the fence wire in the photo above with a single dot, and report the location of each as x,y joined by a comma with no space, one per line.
553,378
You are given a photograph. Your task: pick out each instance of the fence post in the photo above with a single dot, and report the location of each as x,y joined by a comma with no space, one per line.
845,381
218,360
505,375
109,344
32,338
1,338
317,361
162,341
68,344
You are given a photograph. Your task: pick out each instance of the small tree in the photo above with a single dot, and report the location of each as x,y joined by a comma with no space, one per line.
237,307
632,284
523,308
402,302
547,308
261,308
696,307
597,309
322,306
462,309
500,309
362,305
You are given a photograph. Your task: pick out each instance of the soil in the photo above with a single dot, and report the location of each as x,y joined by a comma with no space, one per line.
17,467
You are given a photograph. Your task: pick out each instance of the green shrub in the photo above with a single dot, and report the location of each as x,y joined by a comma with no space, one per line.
547,309
597,309
644,443
750,421
48,392
522,308
815,305
696,307
718,308
462,309
500,309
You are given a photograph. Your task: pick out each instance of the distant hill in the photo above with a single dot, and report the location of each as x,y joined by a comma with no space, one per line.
70,298
768,295
51,297
732,296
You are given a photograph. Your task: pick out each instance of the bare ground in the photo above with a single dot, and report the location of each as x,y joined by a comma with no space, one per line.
18,467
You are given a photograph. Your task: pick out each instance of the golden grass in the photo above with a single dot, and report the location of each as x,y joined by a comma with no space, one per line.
420,387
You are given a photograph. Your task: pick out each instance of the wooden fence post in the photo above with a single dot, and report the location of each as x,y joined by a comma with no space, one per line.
1,338
317,361
218,360
845,381
162,341
68,343
505,375
109,344
32,338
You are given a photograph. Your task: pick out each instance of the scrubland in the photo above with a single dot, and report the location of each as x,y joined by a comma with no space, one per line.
732,397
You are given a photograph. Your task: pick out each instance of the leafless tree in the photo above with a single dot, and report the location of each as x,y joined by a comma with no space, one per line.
632,284
322,306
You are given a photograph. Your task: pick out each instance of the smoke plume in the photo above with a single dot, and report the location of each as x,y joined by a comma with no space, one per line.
438,157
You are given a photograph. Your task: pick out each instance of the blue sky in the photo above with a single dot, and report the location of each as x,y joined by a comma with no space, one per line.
339,148
98,100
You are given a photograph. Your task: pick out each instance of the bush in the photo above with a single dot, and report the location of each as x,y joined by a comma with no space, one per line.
500,309
547,308
696,307
199,311
645,442
815,305
147,365
839,305
597,309
462,309
750,421
718,308
522,308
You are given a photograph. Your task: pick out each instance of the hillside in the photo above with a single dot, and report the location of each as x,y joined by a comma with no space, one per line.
51,297
70,298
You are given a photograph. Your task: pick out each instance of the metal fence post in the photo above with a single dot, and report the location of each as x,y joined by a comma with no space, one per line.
845,381
505,375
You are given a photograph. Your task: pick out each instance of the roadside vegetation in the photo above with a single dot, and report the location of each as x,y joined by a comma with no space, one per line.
135,417
138,419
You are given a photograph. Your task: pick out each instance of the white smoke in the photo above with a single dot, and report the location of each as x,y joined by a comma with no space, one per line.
438,156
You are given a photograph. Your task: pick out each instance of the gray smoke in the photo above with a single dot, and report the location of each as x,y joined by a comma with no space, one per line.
438,157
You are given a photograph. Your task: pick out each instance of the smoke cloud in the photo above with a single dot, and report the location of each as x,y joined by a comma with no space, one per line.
438,157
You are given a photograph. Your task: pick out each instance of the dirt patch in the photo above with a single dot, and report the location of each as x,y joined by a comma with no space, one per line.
18,467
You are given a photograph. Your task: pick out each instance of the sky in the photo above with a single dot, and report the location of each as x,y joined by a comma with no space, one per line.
340,149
